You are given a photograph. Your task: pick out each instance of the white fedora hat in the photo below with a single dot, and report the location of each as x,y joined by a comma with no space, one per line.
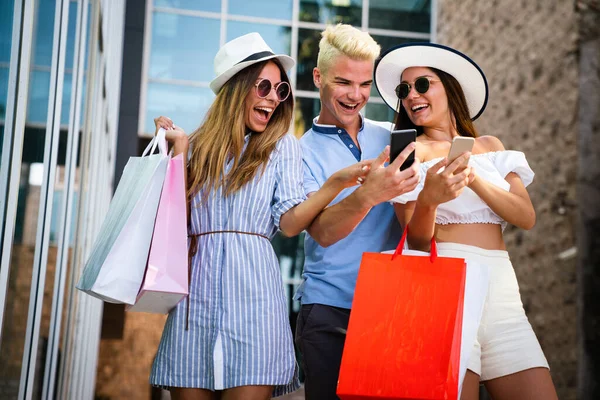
391,65
240,53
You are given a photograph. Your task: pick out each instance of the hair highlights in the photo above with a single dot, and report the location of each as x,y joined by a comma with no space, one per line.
347,40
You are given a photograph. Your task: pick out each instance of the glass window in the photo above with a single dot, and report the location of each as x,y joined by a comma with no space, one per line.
39,88
277,9
66,99
400,15
387,42
277,37
71,36
379,112
88,39
56,213
12,346
203,5
308,48
185,105
3,92
183,47
14,329
6,16
44,37
331,11
306,110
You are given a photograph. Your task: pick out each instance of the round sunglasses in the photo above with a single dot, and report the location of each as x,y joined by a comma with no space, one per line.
421,85
264,87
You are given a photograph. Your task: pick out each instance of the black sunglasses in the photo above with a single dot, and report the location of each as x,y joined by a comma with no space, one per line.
421,85
264,87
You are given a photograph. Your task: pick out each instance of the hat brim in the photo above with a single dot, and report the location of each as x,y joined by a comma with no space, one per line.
391,65
216,84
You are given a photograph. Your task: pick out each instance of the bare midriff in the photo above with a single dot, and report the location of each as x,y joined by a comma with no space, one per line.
485,236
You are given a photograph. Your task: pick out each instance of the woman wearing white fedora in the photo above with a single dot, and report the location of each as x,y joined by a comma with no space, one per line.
232,339
465,204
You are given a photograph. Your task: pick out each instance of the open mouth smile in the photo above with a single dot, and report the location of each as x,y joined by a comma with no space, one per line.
348,106
263,113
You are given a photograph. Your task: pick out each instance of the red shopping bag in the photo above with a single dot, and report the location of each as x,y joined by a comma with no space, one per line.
404,333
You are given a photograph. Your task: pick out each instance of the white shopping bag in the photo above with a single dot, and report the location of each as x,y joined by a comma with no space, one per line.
116,265
476,290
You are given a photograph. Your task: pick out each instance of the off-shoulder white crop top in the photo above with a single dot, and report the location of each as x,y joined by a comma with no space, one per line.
468,208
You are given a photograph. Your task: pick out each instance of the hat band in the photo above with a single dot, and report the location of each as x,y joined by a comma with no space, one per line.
256,56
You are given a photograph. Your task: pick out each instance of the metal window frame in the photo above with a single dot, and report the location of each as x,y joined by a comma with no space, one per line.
223,32
40,260
73,367
92,313
74,338
66,211
434,19
78,372
14,131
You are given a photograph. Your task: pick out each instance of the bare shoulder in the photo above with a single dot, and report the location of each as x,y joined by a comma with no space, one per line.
489,143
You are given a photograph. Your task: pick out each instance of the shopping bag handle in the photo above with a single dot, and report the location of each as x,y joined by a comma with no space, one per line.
159,140
432,255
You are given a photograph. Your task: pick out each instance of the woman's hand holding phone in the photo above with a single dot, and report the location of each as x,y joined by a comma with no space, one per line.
445,181
460,145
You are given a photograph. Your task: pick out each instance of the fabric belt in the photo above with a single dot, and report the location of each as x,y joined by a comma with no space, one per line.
192,252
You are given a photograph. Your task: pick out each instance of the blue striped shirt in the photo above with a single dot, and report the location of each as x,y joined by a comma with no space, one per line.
239,332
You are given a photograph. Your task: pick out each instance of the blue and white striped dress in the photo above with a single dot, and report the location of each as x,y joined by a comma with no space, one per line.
239,332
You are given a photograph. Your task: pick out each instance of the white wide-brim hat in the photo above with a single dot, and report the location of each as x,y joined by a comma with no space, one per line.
391,65
240,53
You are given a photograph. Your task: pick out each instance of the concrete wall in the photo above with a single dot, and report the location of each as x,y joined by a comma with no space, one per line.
528,50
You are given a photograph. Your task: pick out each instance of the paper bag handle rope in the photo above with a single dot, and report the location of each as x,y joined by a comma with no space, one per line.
158,140
433,253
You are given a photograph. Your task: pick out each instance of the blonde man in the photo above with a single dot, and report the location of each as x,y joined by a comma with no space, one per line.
357,220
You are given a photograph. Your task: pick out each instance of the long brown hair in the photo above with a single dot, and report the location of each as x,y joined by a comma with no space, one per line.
221,137
457,104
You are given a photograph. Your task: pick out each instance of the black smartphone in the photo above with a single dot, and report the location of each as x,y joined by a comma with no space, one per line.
399,140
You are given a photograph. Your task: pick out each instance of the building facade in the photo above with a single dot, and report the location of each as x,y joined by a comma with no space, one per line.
60,68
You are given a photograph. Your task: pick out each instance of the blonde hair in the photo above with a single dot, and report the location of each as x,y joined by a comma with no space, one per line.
347,40
221,137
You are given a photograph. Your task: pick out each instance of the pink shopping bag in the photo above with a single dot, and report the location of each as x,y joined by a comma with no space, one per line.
166,280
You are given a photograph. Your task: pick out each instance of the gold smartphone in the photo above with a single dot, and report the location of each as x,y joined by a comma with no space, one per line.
460,144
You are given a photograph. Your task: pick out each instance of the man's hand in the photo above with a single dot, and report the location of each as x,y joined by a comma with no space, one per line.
384,183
